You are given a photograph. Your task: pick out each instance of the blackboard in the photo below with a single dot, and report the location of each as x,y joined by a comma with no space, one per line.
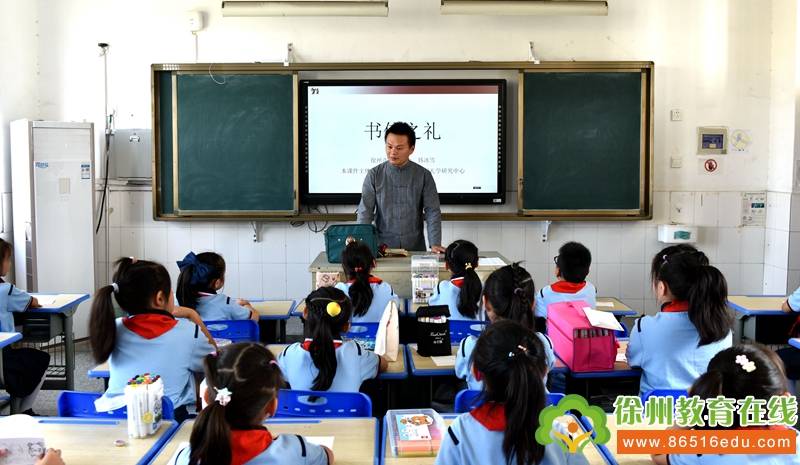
583,147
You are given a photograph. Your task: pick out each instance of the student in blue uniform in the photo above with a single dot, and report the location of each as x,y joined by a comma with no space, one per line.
791,355
462,292
202,275
510,360
735,373
507,295
323,362
150,339
24,368
369,294
673,347
572,266
243,383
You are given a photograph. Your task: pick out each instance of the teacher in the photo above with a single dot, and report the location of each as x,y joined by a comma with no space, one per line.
398,193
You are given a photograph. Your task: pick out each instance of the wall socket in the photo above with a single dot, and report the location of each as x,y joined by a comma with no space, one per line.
676,115
675,162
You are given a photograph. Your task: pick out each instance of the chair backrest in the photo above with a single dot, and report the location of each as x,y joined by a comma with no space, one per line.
459,329
323,404
81,405
235,330
675,393
624,333
362,331
468,399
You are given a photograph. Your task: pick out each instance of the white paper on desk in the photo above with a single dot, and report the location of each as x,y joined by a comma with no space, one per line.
491,261
326,441
181,446
604,304
45,300
600,319
444,361
22,437
622,357
387,340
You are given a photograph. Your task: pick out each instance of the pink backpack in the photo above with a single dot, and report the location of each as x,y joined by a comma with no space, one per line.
577,343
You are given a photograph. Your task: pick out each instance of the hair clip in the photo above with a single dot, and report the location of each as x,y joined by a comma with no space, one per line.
747,364
523,350
274,362
333,308
468,266
518,291
115,286
133,260
223,396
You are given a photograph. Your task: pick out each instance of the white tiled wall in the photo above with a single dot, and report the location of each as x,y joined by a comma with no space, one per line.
776,243
277,265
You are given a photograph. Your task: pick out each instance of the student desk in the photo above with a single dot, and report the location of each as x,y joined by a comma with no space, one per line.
355,443
279,310
100,371
90,441
396,369
397,270
611,445
761,319
615,306
425,366
42,325
591,451
795,342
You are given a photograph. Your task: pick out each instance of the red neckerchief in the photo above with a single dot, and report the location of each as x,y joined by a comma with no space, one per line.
457,282
566,287
675,307
492,415
150,324
307,344
371,280
247,444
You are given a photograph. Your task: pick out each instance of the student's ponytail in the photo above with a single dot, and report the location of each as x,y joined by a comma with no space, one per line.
329,310
197,274
511,361
136,284
708,305
250,376
462,259
357,263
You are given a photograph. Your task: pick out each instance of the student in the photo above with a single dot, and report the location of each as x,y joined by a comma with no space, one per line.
369,294
243,383
150,339
507,295
736,373
323,362
201,277
791,355
510,360
673,347
24,368
572,267
462,292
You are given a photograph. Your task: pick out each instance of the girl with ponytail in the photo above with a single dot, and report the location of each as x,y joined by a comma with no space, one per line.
202,275
149,339
507,295
462,292
674,346
368,293
510,360
736,373
243,383
323,362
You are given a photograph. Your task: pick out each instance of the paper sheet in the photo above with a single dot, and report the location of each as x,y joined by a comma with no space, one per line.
326,441
491,261
621,357
22,437
182,445
600,319
605,304
444,361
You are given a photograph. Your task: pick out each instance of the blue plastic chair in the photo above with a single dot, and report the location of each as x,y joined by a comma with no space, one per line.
323,404
467,399
459,329
623,334
235,330
362,331
675,393
81,405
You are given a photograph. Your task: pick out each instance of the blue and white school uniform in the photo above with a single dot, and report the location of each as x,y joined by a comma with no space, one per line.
464,359
447,293
12,299
665,347
382,294
257,447
476,438
751,459
354,365
213,307
563,291
160,344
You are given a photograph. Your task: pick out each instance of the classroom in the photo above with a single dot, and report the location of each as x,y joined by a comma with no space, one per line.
399,232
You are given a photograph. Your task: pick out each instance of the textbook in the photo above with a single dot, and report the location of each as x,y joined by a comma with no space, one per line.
415,432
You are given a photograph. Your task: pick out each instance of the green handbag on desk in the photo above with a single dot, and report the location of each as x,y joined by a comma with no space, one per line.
337,237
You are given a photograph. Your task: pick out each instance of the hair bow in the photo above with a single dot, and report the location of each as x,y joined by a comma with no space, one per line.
201,270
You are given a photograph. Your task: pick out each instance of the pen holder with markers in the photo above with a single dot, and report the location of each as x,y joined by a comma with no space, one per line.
143,396
433,331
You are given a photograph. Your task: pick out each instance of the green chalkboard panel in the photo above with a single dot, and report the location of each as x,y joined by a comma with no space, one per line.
583,147
164,140
235,144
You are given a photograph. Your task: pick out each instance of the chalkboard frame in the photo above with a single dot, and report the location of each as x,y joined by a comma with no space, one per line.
645,209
